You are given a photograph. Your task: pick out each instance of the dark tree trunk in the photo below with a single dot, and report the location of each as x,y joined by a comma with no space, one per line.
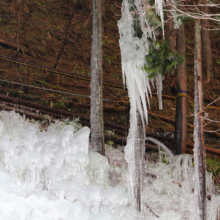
59,77
199,146
206,47
180,135
96,118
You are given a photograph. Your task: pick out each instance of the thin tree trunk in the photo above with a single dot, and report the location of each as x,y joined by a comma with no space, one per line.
180,135
96,118
59,77
134,154
206,47
199,147
170,32
139,161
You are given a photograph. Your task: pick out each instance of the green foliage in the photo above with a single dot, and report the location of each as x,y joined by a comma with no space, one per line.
165,160
153,19
59,104
116,76
6,30
186,19
213,94
44,101
111,142
213,166
137,28
109,59
151,16
161,59
217,61
20,92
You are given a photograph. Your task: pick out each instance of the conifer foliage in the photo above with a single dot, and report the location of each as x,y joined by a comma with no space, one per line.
161,59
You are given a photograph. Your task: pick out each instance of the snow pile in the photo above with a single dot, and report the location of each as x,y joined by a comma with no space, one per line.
51,175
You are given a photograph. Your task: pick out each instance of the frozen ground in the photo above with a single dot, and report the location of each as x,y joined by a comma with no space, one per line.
52,175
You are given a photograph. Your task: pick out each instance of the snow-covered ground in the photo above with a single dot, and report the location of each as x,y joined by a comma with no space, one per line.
52,175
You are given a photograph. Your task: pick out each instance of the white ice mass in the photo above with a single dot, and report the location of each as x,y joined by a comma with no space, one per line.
133,51
51,175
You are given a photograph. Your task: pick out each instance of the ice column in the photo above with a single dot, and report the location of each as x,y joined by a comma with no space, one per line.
133,52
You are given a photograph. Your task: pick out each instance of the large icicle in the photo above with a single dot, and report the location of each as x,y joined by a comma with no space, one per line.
133,52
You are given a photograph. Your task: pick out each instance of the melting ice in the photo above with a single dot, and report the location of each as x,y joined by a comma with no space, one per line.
52,175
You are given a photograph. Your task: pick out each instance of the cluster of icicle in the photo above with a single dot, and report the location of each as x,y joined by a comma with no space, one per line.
133,52
170,188
51,175
56,164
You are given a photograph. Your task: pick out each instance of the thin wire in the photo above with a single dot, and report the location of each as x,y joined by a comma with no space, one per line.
45,83
52,90
64,73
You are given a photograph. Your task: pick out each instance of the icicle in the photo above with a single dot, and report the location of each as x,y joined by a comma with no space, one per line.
159,144
159,86
133,52
159,4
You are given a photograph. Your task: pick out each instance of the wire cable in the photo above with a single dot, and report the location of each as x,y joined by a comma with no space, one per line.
56,71
51,90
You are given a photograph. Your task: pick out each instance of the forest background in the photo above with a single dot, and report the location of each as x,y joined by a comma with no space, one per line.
57,34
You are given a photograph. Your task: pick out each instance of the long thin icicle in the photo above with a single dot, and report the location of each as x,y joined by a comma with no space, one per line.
159,6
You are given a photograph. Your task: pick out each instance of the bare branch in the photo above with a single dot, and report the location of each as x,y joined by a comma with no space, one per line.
212,103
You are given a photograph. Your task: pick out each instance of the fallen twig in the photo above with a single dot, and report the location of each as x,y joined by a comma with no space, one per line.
152,211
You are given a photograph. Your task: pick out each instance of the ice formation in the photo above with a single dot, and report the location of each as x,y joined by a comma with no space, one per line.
51,175
159,9
133,52
169,191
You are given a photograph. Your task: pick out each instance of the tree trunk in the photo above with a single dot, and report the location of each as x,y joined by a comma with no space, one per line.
139,161
180,135
199,146
170,32
134,155
96,118
59,77
206,47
